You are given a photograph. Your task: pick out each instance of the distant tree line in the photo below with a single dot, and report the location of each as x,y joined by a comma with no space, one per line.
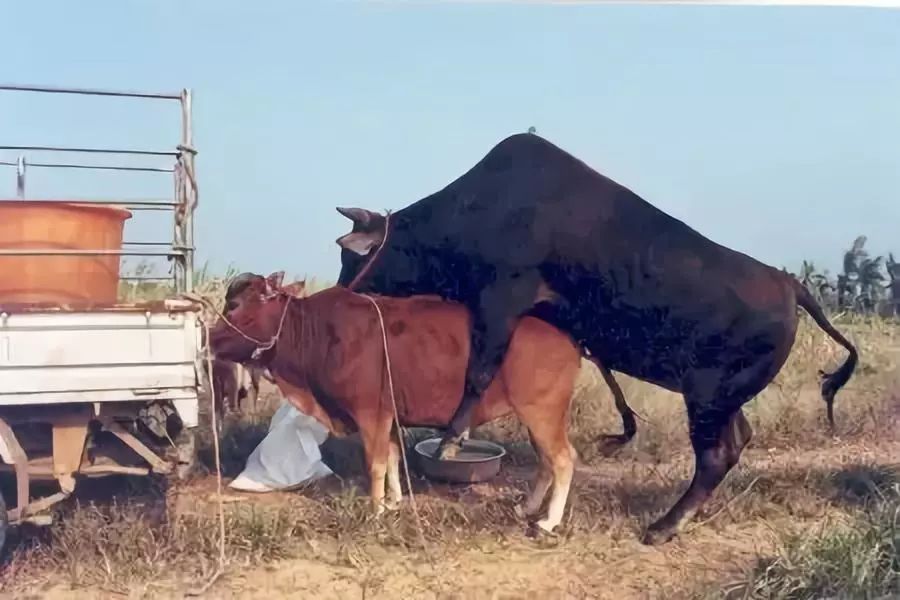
866,284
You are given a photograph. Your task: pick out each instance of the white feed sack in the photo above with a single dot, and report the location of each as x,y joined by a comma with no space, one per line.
288,456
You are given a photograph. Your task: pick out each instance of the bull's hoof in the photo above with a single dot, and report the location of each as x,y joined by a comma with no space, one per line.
392,505
447,450
657,536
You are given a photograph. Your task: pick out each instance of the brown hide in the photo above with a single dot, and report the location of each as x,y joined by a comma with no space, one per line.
343,358
232,383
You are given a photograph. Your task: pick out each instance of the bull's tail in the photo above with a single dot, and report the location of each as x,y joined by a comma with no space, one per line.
831,382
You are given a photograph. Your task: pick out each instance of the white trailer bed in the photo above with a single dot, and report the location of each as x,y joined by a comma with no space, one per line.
67,373
95,390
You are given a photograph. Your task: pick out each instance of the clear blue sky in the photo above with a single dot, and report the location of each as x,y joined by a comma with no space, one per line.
775,131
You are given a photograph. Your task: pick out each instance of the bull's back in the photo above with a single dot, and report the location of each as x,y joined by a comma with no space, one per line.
529,194
554,209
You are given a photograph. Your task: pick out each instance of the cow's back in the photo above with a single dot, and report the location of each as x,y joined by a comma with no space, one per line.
428,342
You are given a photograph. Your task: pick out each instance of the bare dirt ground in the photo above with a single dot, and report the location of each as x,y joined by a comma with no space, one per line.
597,554
322,542
604,563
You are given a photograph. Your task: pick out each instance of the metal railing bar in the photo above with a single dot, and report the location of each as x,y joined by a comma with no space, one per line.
131,202
136,208
94,167
93,150
94,366
88,91
60,252
145,208
146,278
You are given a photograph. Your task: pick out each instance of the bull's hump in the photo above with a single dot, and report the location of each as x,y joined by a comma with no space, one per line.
525,140
518,146
528,149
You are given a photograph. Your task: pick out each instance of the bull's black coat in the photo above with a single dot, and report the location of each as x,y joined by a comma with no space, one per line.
532,228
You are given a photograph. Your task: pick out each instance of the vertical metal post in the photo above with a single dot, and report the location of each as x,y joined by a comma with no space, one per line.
178,242
187,224
20,177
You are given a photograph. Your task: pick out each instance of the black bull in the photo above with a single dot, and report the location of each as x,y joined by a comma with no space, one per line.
530,228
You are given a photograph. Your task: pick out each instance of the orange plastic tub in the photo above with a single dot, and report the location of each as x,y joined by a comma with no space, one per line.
31,224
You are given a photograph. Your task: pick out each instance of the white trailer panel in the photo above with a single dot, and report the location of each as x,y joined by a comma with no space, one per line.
51,357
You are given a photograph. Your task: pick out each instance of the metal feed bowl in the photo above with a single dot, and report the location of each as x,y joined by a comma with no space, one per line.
478,460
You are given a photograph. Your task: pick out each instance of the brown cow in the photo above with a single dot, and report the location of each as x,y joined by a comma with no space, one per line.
326,354
232,383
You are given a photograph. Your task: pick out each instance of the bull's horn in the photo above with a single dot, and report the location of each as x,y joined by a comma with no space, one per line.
360,216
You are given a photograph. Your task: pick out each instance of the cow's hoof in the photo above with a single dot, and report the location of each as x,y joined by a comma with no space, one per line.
656,536
392,505
537,531
546,526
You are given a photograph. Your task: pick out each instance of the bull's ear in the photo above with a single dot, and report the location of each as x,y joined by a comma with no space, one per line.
359,216
360,242
273,281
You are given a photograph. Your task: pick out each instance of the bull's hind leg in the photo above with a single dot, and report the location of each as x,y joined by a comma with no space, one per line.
718,439
494,316
718,429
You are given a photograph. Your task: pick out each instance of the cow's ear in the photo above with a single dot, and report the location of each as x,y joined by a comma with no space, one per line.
359,216
296,289
360,242
273,282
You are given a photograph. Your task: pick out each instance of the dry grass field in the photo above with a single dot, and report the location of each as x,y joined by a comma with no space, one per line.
804,515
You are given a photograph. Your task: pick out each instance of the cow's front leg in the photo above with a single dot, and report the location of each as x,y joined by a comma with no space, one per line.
494,317
375,434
